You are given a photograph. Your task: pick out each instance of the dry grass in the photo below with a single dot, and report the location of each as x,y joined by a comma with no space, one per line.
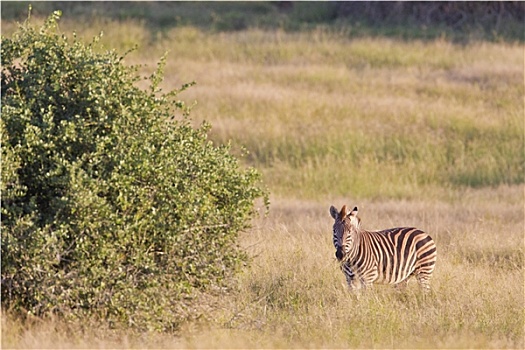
402,118
293,294
400,129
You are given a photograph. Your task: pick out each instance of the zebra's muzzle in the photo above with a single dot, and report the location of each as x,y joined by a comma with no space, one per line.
339,254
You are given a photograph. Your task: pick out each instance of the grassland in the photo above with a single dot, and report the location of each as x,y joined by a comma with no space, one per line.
314,108
292,295
429,134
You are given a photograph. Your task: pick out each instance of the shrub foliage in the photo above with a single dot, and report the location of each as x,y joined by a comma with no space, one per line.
111,206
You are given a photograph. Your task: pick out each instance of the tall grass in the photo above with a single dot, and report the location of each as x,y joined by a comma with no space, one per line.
293,293
429,134
304,303
327,112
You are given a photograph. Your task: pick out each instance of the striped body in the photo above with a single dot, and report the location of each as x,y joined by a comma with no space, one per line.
390,256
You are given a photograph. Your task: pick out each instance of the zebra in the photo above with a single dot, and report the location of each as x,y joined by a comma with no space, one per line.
389,256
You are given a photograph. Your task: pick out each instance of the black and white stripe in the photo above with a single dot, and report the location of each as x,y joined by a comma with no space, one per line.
390,256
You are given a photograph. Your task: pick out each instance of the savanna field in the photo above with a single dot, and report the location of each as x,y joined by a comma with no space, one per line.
424,133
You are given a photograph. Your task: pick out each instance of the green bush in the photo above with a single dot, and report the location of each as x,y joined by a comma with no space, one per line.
111,206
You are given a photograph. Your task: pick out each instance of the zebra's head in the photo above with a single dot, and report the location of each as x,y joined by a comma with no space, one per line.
345,223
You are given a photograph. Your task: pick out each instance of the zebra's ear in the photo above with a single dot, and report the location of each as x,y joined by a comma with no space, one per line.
353,212
334,212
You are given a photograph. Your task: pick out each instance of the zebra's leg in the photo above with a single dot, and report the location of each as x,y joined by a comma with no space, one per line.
350,282
350,276
368,277
423,279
